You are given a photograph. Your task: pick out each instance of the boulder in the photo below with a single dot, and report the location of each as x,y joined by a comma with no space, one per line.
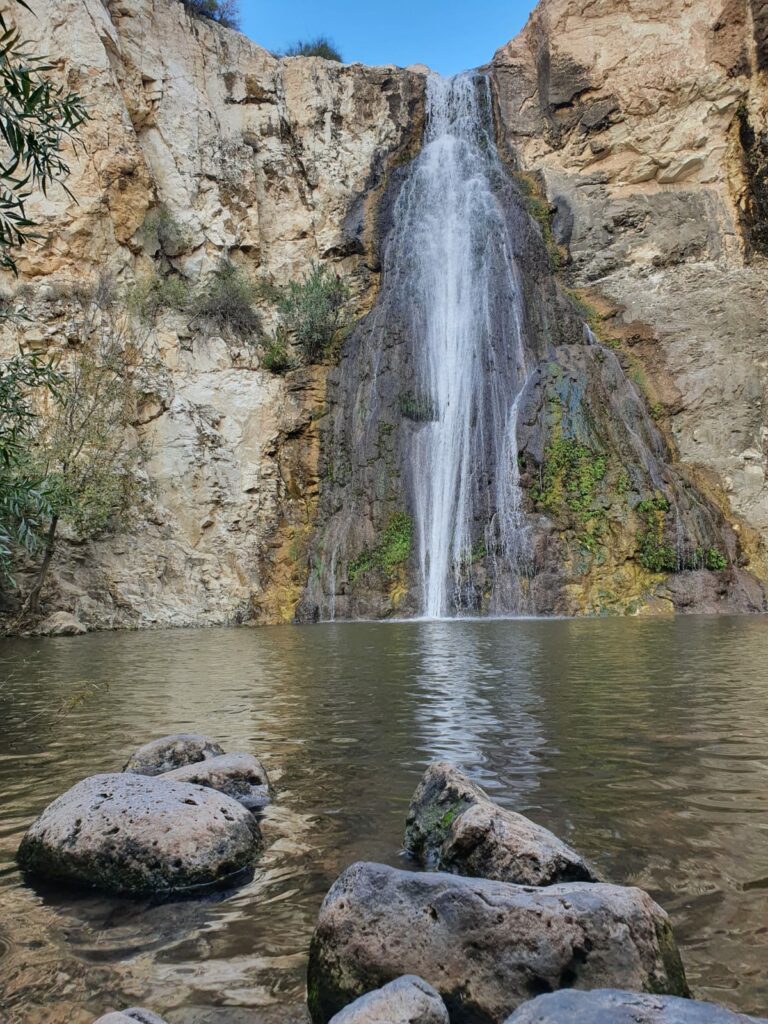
62,624
134,834
171,752
486,946
611,1006
241,776
407,1000
130,1016
453,825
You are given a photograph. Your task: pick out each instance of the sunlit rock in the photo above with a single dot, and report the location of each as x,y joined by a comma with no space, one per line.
170,752
407,1000
611,1006
485,946
240,776
454,826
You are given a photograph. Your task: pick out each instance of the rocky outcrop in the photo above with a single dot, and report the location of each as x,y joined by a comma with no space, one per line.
608,1006
240,776
133,834
268,162
407,1000
130,1016
647,128
170,752
453,825
485,946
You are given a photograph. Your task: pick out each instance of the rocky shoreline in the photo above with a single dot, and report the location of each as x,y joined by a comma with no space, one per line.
500,923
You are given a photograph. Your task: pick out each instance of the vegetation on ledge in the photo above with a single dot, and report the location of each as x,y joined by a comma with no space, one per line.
568,485
393,551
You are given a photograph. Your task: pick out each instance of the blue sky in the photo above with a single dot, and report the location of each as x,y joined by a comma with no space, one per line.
448,35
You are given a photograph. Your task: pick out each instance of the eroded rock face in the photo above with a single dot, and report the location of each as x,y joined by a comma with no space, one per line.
268,161
407,1000
62,624
609,1006
240,776
485,946
453,825
648,127
134,834
171,752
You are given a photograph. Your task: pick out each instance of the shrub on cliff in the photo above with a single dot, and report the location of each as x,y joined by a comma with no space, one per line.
225,301
320,47
314,311
224,12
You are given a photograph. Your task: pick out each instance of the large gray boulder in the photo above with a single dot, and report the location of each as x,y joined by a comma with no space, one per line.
486,946
612,1006
133,1015
407,1000
241,776
453,825
170,752
134,834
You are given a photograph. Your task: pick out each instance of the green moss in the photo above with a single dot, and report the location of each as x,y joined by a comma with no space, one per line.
653,552
538,206
418,407
392,552
569,479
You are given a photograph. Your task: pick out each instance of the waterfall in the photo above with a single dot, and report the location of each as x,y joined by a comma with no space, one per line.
451,260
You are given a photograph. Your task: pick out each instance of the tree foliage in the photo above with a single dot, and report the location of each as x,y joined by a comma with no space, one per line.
36,118
224,12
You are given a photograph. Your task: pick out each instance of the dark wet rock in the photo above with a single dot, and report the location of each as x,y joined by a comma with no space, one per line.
133,834
612,1006
241,776
133,1015
170,752
485,946
407,1000
454,826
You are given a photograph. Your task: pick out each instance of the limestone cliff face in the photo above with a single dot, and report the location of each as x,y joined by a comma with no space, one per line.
647,121
268,162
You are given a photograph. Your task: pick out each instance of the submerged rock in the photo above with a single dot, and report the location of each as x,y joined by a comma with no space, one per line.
407,1000
240,776
612,1006
132,834
170,752
486,946
453,825
130,1016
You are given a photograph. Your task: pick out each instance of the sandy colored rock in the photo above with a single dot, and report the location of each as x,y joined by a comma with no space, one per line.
453,825
171,752
611,1006
240,776
130,1016
407,1000
62,624
485,946
134,834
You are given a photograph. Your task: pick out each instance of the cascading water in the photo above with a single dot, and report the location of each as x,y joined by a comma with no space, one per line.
452,255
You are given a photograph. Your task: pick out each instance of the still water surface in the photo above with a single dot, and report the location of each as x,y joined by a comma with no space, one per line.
642,743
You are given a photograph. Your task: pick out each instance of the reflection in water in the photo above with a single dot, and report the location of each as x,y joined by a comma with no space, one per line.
642,743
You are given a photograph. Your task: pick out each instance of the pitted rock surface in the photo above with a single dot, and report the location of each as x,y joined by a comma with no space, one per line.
240,776
612,1006
170,752
407,1000
135,834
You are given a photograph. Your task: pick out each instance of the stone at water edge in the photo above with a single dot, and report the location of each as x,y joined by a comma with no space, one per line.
613,1006
135,834
170,752
133,1015
240,776
62,624
453,825
485,946
407,1000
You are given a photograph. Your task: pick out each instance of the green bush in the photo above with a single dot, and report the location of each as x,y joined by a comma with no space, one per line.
152,294
225,301
225,12
275,355
319,47
314,311
393,550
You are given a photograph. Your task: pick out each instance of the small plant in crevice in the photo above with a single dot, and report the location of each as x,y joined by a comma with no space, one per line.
654,552
393,550
150,295
275,354
417,406
162,231
225,301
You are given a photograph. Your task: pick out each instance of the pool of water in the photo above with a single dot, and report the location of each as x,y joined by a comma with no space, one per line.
644,743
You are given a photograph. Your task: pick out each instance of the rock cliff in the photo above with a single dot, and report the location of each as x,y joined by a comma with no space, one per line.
644,127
